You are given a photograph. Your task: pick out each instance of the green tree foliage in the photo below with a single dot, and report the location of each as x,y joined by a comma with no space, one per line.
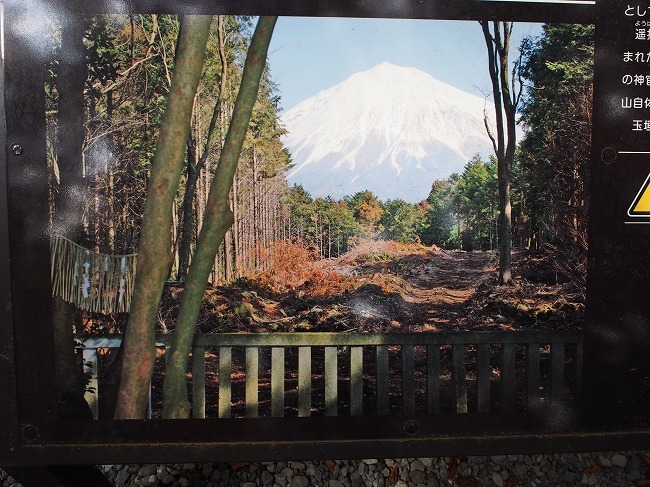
462,211
557,112
297,202
402,221
441,221
324,224
130,60
367,211
549,173
478,198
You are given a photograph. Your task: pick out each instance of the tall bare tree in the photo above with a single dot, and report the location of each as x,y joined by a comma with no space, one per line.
195,163
154,248
218,219
506,98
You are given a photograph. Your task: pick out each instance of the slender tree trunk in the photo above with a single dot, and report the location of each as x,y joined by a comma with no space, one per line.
188,228
154,256
218,219
226,255
255,213
504,144
196,164
236,241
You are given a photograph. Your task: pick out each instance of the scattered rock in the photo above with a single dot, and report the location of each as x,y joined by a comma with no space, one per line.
619,460
167,479
497,479
418,476
598,469
417,465
147,470
121,478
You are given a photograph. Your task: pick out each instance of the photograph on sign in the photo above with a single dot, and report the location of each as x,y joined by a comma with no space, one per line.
365,234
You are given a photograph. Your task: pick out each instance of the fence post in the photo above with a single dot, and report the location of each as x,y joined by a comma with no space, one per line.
225,379
458,383
557,372
277,382
382,381
331,381
198,382
91,394
356,381
483,375
532,386
252,382
304,381
508,377
408,378
433,379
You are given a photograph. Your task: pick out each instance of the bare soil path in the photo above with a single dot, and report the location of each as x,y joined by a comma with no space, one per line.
384,287
440,290
388,287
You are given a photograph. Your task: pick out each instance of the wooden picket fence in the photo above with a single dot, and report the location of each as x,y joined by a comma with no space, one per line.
329,374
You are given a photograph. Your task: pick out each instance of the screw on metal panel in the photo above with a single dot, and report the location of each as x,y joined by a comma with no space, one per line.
608,155
411,427
29,433
17,149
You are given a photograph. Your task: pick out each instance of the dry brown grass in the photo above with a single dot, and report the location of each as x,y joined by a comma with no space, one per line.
294,268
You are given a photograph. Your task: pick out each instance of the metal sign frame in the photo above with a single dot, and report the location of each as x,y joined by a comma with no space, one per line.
30,433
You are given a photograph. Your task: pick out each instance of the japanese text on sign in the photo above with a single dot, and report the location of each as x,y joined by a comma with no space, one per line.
636,11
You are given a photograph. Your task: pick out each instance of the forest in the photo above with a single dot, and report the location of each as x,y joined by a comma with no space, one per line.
284,246
129,66
549,175
129,61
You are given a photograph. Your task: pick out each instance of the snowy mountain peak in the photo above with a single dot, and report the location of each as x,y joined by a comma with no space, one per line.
390,129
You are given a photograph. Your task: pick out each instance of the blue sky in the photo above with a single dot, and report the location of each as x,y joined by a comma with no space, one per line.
308,55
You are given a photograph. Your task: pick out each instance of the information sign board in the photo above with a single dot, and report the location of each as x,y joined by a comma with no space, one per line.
613,380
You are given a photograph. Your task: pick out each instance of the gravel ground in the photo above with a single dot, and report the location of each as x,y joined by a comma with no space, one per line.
598,469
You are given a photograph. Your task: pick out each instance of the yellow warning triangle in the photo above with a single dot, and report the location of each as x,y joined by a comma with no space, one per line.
641,204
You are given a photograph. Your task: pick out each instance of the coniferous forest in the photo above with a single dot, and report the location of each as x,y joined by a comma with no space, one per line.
129,66
130,61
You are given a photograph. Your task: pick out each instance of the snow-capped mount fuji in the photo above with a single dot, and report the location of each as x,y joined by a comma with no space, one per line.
390,129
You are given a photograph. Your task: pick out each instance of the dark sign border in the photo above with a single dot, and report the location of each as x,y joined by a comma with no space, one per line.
29,432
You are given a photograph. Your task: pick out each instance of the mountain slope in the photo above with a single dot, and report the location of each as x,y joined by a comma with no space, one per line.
390,129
